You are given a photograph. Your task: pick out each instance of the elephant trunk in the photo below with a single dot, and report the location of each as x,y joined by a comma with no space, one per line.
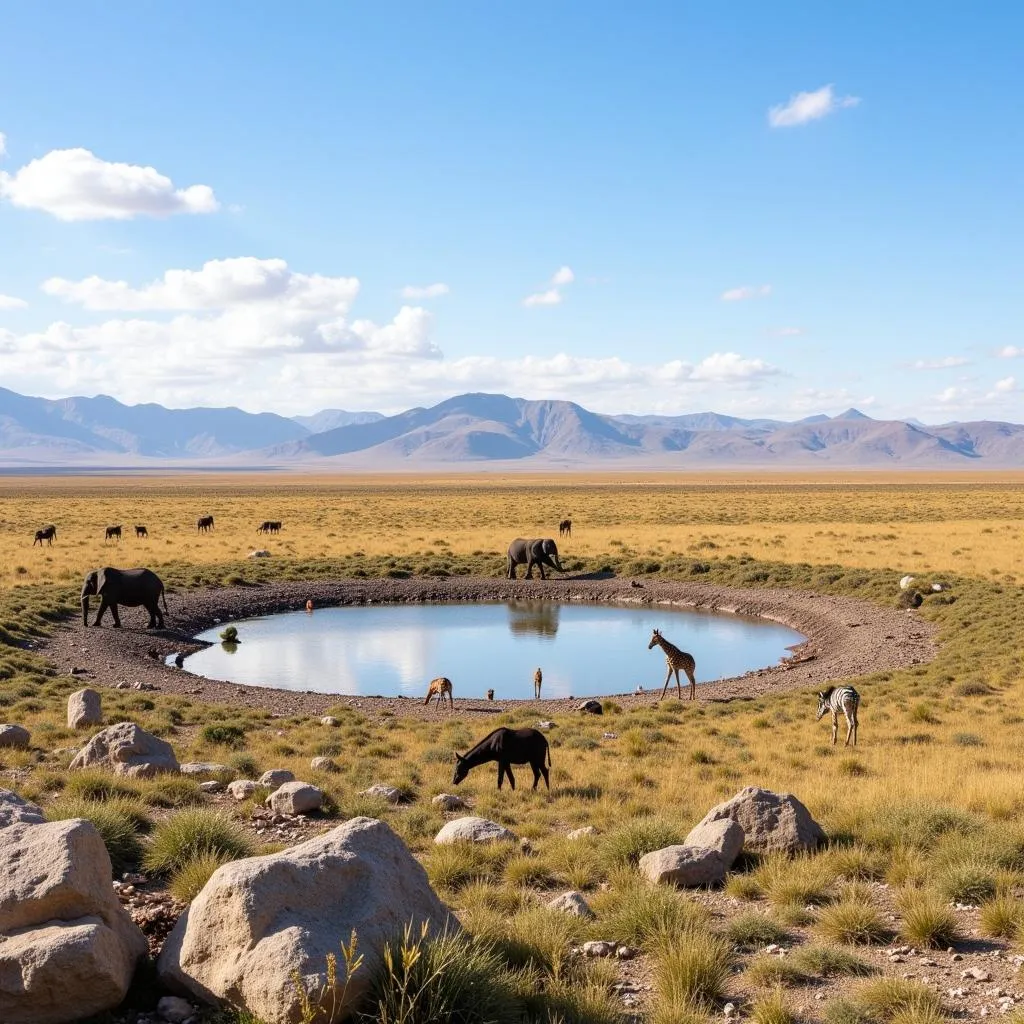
85,609
558,565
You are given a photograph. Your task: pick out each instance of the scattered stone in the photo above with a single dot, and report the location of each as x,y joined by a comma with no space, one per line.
174,1009
598,948
242,789
15,810
296,798
609,735
127,750
330,720
473,830
64,939
591,707
143,686
324,764
729,1010
977,974
684,866
261,920
724,835
84,709
16,736
211,786
276,777
121,685
582,833
449,802
771,821
261,553
545,725
382,792
572,903
203,769
627,953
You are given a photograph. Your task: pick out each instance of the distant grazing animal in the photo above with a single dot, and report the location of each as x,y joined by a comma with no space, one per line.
676,660
565,528
439,687
840,698
309,605
533,552
141,531
113,533
204,524
269,526
131,587
538,678
507,747
47,533
490,695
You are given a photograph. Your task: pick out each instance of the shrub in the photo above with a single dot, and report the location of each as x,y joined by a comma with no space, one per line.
830,962
853,922
751,929
223,734
743,887
926,921
187,881
888,998
453,865
170,791
771,971
192,833
118,822
93,784
1002,917
795,880
641,913
628,843
691,970
771,1009
248,767
967,883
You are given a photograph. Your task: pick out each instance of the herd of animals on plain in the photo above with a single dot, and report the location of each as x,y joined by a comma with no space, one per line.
143,588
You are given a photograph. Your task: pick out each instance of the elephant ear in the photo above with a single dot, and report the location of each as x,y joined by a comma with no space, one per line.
101,580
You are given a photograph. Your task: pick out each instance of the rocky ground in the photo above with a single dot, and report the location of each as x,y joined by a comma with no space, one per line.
845,637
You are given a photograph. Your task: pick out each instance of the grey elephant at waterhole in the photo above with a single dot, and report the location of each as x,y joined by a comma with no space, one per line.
131,587
533,552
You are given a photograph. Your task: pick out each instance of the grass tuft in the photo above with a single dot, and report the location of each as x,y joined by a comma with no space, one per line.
927,921
192,833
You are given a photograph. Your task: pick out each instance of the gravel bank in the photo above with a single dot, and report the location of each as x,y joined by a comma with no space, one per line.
845,637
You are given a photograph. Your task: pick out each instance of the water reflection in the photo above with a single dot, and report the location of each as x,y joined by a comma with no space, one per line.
583,649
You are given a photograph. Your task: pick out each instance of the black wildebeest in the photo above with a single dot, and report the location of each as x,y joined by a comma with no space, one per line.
47,533
141,531
204,523
269,526
565,528
507,747
113,533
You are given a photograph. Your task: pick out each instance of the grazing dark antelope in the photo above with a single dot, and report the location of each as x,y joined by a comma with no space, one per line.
840,698
565,528
141,531
538,678
269,526
204,524
47,533
507,747
676,660
439,687
113,533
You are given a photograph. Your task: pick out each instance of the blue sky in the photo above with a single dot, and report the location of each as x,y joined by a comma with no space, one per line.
631,206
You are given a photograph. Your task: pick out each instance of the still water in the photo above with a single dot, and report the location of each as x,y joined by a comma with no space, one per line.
584,649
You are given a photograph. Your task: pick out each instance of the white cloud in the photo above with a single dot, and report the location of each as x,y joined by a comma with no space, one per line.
809,106
11,302
74,184
1005,386
721,367
3,145
427,291
550,297
746,291
1010,352
563,276
951,395
945,363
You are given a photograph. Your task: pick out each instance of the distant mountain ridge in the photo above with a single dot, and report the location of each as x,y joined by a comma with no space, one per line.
477,430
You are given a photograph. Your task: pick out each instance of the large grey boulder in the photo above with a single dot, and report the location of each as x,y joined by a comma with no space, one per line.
723,835
296,798
127,749
67,948
16,810
276,777
259,921
16,736
84,709
471,829
683,865
771,822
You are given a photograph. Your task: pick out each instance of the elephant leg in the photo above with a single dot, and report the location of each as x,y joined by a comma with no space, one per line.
103,609
529,570
511,569
540,565
117,618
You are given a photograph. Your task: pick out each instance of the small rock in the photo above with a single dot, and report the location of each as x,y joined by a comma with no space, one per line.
598,948
84,709
474,830
242,789
382,792
449,802
683,865
582,833
15,736
609,735
211,786
729,1009
201,769
324,764
626,953
276,777
174,1009
572,903
296,798
977,973
545,725
15,809
590,707
330,720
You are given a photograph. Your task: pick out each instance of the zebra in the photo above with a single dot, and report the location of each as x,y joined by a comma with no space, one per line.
840,698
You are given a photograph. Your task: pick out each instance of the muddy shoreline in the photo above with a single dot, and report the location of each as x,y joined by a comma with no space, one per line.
844,637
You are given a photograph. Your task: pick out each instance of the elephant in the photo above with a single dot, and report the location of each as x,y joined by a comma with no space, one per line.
539,552
132,587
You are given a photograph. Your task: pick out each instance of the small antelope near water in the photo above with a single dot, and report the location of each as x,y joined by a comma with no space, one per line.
439,687
840,698
507,747
538,678
309,605
676,660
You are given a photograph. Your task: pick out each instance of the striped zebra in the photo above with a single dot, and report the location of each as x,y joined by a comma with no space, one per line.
840,698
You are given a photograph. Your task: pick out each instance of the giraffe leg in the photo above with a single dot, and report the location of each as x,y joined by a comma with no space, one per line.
668,676
679,689
693,684
835,727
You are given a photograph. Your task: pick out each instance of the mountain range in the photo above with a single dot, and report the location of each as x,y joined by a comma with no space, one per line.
478,430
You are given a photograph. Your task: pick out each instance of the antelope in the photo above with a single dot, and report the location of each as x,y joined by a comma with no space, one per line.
439,687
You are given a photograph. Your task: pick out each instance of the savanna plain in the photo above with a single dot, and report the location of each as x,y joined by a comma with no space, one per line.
920,879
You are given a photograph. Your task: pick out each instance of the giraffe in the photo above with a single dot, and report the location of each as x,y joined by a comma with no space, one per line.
538,678
676,660
439,687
